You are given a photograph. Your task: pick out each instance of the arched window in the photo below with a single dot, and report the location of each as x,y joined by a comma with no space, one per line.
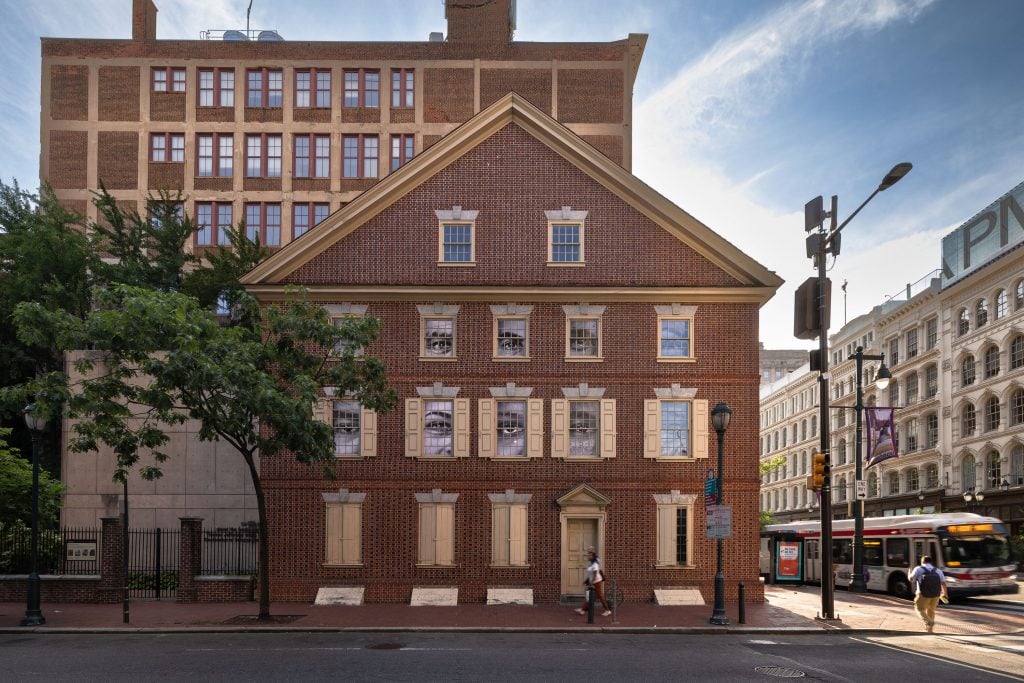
968,473
963,324
911,389
991,361
841,489
1017,466
775,495
894,483
931,476
1017,407
785,433
967,371
993,472
1017,352
841,452
803,430
785,499
968,421
814,426
981,313
931,381
992,414
931,430
1018,295
910,435
913,480
894,393
803,462
872,485
1001,304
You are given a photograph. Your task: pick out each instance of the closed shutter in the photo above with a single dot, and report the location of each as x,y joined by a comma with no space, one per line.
351,534
535,428
462,428
426,523
559,428
413,428
517,535
368,436
499,534
700,428
652,428
444,534
323,410
486,431
666,535
334,522
608,428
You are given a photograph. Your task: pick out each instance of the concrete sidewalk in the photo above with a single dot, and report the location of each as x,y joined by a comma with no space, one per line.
788,610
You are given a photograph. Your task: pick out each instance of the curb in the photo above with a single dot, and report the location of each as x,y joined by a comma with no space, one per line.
668,630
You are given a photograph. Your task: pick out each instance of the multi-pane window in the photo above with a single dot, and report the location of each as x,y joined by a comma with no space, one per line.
438,428
584,429
993,470
968,421
991,361
512,339
583,338
963,325
263,156
967,371
931,422
931,334
968,472
674,337
675,428
508,534
510,424
1002,305
168,79
911,343
263,223
1017,407
913,479
1017,465
872,485
1017,352
167,147
301,212
674,535
216,87
510,428
566,243
438,338
346,424
215,155
402,147
912,386
841,452
312,156
931,381
212,218
981,313
402,81
161,212
264,88
894,483
894,394
360,156
313,88
992,414
841,489
931,476
457,243
911,436
894,351
1018,296
362,88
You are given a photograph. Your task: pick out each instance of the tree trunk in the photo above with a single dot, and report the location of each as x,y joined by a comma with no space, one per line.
263,577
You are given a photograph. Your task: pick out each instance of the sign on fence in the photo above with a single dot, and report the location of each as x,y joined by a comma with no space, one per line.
80,551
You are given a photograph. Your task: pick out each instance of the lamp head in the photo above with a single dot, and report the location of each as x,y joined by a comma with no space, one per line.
968,495
1005,485
979,496
894,175
720,416
33,420
883,376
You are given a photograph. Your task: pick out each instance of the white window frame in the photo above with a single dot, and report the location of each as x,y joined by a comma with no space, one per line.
560,427
343,522
456,216
510,312
584,312
566,216
667,529
488,435
510,529
438,312
324,411
676,312
698,428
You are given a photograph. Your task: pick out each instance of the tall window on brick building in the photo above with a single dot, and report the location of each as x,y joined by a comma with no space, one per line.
360,156
264,88
362,88
168,79
313,88
167,147
263,156
212,218
215,155
312,156
401,150
216,87
263,223
402,89
307,214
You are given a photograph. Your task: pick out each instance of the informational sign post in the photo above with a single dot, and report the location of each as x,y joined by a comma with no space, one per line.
789,561
719,521
862,489
710,489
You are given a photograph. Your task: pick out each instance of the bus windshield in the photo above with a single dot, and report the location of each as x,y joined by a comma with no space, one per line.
976,551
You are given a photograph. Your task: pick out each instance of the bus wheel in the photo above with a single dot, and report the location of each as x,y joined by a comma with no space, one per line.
899,585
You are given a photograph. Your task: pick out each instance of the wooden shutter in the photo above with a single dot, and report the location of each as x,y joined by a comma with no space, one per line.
517,535
499,534
368,432
427,522
535,428
334,523
652,428
444,532
486,430
699,408
462,429
666,535
413,428
351,533
323,410
608,428
559,428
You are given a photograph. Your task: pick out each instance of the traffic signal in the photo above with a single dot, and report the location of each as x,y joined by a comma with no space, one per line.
817,471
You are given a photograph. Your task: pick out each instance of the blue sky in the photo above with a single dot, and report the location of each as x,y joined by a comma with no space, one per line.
744,109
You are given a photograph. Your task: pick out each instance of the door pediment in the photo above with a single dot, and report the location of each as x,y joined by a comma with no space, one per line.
584,496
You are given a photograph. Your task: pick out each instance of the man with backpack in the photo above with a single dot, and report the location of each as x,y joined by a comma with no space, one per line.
931,586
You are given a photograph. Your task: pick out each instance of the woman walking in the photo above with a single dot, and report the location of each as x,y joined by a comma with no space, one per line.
595,579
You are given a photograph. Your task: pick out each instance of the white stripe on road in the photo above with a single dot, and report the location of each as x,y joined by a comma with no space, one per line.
938,659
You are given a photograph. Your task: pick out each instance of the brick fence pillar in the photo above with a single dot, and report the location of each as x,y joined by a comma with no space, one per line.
111,560
190,557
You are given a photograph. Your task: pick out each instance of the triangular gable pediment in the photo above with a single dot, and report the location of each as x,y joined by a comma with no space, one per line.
515,110
583,495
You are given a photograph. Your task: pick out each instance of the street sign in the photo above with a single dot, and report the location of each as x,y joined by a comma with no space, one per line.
710,489
862,489
719,521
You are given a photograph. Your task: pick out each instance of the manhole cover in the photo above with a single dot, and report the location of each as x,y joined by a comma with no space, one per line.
385,646
779,671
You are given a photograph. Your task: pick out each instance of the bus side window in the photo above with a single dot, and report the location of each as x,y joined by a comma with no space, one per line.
897,552
873,553
842,551
919,550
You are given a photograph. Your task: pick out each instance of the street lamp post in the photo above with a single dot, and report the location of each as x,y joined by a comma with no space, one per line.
882,378
720,416
819,245
35,424
972,496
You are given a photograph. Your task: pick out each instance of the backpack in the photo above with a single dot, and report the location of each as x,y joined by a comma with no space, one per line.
930,584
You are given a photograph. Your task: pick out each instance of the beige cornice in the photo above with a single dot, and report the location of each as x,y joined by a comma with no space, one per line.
718,295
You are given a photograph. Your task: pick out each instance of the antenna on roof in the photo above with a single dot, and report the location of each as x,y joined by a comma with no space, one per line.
247,12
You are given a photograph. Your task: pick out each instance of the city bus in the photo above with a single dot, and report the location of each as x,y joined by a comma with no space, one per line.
973,552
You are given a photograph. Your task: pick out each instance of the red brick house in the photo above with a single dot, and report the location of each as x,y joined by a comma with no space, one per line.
557,332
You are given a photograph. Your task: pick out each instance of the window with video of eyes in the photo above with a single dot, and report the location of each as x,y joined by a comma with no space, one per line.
438,434
511,428
675,428
584,338
584,425
511,341
345,420
439,338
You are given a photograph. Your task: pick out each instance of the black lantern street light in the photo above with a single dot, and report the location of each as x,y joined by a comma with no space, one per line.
35,424
972,496
720,416
882,377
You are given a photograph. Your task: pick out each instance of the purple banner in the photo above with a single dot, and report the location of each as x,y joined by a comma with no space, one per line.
882,438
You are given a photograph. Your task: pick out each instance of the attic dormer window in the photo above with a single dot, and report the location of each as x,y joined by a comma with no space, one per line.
565,237
456,244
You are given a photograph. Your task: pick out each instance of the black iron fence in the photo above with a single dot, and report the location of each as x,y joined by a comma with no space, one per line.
68,551
153,563
231,551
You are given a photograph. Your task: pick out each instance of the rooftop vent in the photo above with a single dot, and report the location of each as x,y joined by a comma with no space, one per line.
234,35
240,35
269,37
436,37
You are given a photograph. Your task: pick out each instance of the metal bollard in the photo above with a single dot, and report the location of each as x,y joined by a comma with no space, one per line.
743,603
590,604
615,602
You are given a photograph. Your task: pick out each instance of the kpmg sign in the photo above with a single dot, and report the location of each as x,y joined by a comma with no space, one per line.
997,229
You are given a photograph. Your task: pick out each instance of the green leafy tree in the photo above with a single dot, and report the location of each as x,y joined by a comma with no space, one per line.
161,358
771,464
16,490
